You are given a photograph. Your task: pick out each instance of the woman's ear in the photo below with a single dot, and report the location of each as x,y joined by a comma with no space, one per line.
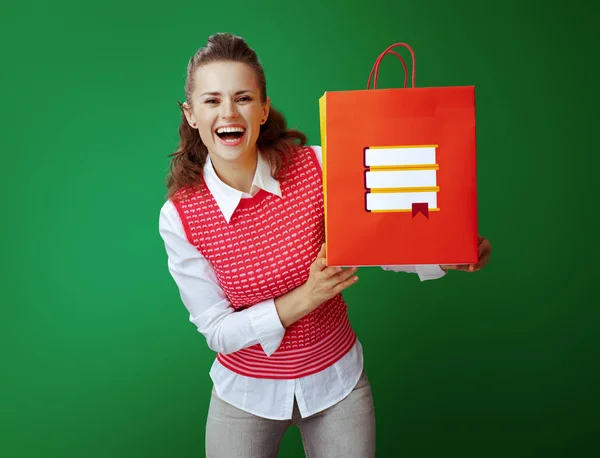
266,108
189,115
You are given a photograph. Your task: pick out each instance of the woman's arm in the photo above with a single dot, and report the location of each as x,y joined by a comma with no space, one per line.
225,330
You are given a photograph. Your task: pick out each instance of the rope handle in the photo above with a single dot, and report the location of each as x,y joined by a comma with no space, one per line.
389,51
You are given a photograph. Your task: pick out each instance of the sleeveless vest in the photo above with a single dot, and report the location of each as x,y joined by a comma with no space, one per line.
265,251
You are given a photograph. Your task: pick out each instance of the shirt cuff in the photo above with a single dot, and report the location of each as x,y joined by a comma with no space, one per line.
430,272
267,325
402,268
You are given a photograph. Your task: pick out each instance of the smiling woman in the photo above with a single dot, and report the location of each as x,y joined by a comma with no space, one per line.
227,108
244,233
226,91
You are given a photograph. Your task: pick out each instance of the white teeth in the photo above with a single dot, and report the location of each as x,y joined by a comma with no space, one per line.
225,130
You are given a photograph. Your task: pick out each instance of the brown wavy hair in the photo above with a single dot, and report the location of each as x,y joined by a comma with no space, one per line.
275,141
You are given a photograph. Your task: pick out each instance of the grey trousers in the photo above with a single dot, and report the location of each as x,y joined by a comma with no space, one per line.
345,430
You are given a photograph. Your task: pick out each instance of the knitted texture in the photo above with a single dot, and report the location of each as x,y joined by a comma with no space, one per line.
264,252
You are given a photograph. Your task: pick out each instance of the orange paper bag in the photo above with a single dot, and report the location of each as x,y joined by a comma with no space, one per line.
399,174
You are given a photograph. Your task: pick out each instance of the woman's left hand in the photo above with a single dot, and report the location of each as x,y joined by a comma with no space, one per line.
485,249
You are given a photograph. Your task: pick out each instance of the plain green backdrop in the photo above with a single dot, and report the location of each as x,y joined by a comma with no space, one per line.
98,358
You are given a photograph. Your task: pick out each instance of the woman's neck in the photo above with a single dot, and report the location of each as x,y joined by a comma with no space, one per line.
238,174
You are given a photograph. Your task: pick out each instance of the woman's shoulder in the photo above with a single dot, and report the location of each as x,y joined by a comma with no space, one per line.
168,218
313,151
175,204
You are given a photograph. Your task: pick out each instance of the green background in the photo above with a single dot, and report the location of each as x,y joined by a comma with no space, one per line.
98,358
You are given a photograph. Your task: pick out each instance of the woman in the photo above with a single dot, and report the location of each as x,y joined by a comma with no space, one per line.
243,229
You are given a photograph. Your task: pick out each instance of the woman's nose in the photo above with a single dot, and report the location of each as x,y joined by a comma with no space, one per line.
229,109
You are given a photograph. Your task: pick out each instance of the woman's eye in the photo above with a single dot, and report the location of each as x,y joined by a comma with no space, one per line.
244,98
212,101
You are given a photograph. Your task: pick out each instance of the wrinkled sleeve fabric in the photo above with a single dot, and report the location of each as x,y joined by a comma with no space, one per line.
225,330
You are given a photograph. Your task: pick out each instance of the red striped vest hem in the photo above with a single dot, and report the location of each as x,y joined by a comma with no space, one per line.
293,363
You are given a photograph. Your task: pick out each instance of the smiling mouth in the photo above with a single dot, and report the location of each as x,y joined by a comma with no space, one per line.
231,134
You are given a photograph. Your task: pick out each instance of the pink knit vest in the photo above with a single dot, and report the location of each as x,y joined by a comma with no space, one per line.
265,251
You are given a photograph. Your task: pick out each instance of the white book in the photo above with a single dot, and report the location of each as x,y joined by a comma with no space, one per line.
379,179
399,201
399,176
399,156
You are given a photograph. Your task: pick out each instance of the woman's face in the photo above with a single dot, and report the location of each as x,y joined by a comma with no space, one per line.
227,110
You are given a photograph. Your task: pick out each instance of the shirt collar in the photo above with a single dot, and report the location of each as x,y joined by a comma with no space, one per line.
228,198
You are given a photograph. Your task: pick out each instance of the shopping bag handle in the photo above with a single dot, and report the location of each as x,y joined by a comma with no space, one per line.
377,70
389,51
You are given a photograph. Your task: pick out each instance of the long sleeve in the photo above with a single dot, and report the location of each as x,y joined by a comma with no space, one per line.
424,271
225,330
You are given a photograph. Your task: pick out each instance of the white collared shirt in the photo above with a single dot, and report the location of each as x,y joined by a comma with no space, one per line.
226,331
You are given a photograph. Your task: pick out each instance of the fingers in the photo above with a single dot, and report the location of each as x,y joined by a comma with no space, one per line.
345,284
331,276
322,251
342,279
455,267
343,274
484,255
484,251
320,263
335,279
485,248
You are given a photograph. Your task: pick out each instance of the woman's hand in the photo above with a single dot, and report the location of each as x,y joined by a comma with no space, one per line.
326,282
485,249
323,283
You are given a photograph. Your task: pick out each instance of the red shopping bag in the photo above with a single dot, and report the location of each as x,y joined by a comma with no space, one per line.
399,173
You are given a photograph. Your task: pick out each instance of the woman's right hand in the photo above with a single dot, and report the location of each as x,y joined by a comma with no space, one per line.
326,282
323,283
